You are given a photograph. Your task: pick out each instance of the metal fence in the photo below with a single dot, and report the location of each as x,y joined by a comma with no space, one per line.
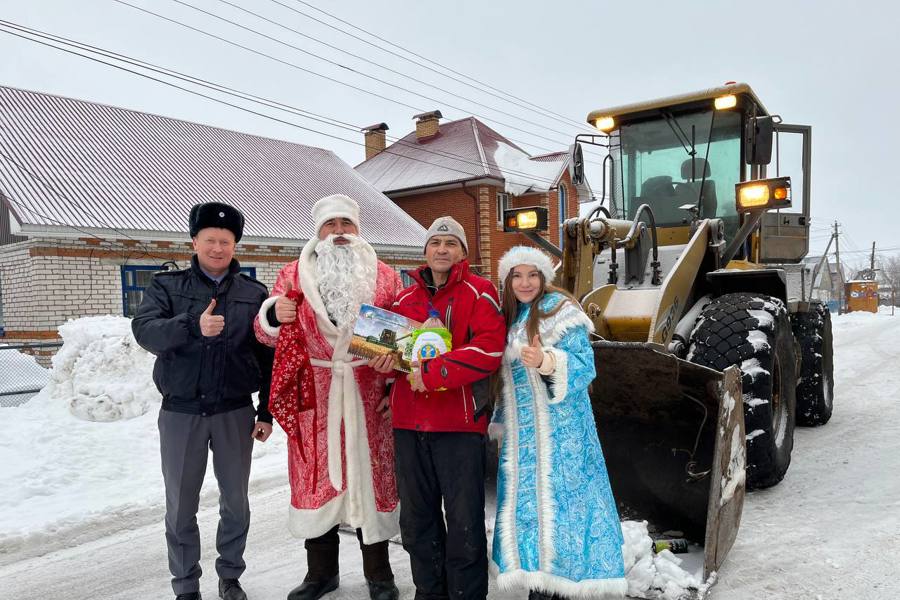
24,370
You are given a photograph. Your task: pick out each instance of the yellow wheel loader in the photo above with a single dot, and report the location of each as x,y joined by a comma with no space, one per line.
708,348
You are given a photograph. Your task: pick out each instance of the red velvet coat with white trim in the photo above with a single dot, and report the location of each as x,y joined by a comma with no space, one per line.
348,474
470,309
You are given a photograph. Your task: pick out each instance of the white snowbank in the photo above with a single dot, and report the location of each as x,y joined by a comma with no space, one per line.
100,372
84,453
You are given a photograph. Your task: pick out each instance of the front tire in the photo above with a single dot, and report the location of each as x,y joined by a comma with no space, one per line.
753,332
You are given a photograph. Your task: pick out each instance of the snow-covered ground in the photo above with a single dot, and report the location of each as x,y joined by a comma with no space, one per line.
82,491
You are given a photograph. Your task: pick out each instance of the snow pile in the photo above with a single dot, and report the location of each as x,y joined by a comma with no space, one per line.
651,575
19,372
81,458
101,372
522,174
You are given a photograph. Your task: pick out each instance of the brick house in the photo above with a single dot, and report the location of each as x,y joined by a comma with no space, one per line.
94,200
467,170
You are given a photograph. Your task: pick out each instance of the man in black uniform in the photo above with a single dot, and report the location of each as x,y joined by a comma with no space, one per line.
199,324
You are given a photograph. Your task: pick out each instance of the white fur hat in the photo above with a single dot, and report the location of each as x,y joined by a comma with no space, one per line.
332,207
526,255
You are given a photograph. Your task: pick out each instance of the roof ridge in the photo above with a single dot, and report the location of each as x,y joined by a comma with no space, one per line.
502,137
480,147
153,114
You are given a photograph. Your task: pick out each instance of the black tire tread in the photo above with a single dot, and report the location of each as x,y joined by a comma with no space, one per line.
722,338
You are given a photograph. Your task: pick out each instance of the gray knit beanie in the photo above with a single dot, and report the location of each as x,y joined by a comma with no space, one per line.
447,226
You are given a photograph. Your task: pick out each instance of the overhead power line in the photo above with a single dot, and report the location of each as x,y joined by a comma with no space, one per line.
259,100
60,40
493,91
372,62
331,62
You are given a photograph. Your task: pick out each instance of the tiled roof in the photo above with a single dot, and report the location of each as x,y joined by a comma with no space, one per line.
464,150
67,164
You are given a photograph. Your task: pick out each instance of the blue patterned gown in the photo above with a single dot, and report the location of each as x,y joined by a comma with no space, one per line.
557,528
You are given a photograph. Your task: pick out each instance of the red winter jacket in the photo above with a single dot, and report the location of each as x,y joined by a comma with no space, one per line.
469,307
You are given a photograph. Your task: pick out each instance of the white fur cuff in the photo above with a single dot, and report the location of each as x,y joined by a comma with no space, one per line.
559,388
263,319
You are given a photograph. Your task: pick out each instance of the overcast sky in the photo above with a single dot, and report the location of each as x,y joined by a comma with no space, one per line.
826,64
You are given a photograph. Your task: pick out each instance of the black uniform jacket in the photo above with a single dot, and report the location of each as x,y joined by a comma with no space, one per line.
205,375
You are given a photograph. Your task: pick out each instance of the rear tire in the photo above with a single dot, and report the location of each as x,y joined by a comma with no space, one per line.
815,386
753,332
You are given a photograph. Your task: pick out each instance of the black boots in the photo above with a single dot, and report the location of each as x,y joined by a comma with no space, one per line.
377,570
321,567
383,590
313,590
188,596
230,589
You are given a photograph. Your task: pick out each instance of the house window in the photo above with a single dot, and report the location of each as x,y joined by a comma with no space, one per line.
406,278
136,278
502,206
563,204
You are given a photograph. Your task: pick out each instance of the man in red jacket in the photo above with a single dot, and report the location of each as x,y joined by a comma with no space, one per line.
440,421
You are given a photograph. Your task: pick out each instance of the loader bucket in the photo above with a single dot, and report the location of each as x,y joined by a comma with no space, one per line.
673,437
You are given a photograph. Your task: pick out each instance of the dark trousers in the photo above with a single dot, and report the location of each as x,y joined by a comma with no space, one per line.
436,469
322,557
184,443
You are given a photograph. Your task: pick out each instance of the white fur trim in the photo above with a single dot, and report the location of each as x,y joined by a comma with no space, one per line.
342,392
333,207
526,255
544,449
517,580
559,379
509,451
264,320
557,326
314,522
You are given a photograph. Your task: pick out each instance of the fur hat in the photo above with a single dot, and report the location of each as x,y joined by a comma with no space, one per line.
336,206
216,214
447,226
526,255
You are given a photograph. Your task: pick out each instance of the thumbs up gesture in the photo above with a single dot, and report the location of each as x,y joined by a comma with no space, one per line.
285,308
533,354
211,325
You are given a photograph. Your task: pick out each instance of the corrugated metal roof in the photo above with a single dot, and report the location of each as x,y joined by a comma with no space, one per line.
80,164
463,150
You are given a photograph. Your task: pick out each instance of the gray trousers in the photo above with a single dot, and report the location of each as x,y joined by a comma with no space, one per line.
184,441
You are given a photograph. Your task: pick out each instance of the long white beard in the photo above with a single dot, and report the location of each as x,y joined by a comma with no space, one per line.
345,280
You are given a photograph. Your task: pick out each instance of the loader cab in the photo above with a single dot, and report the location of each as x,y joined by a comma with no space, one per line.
684,155
680,164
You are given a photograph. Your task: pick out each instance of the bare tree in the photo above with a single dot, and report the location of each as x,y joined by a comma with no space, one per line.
890,270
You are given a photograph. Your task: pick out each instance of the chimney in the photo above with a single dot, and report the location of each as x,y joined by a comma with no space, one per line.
375,138
427,125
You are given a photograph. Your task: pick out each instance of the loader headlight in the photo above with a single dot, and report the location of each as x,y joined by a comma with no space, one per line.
532,218
605,124
723,102
763,194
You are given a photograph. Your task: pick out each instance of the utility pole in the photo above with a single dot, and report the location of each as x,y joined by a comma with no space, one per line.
872,261
840,269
